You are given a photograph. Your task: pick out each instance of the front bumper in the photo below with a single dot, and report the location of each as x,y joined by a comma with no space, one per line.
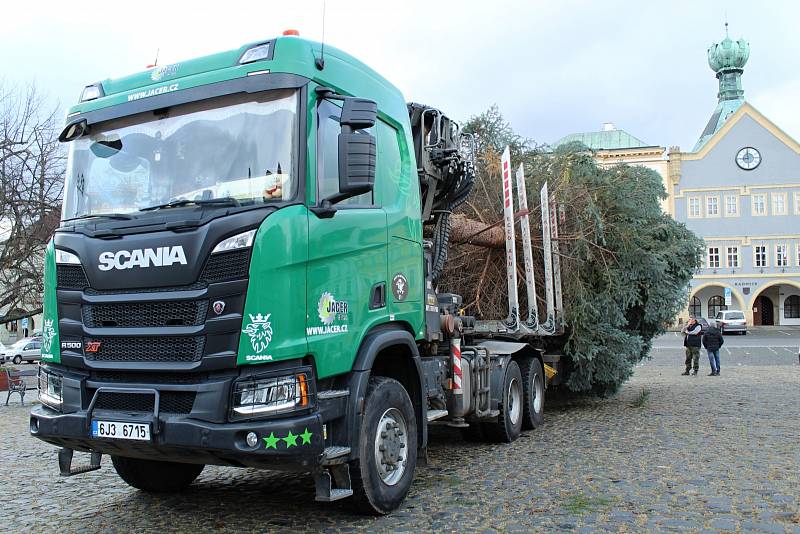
733,328
289,443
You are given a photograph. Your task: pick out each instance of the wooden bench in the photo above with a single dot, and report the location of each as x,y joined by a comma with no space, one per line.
17,384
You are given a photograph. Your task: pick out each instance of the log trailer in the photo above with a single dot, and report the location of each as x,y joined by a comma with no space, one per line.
241,278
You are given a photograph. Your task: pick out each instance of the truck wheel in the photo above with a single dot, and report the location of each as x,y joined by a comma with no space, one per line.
156,476
17,359
387,448
533,393
509,423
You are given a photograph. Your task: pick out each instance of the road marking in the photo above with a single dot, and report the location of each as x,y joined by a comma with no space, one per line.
785,333
727,350
773,350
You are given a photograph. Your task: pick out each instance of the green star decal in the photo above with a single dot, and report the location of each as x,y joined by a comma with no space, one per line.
290,439
271,441
306,437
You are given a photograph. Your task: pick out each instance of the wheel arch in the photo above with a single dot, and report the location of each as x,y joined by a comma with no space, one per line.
388,350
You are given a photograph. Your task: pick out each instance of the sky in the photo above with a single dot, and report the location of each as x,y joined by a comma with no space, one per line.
552,67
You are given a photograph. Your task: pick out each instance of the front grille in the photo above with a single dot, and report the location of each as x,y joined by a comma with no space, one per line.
71,277
145,314
137,291
176,402
144,349
147,378
227,266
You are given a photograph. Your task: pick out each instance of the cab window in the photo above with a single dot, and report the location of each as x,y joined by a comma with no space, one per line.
328,130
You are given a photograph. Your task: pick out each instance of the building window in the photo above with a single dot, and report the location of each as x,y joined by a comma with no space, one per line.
733,257
712,206
694,207
791,307
781,256
797,202
713,257
759,204
731,206
695,308
716,304
760,255
779,203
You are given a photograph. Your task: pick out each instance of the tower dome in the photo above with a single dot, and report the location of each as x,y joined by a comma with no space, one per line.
728,54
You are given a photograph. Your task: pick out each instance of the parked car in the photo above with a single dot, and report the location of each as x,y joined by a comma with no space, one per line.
731,321
703,323
28,349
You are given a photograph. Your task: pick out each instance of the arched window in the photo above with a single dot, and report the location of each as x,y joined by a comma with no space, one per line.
695,308
791,307
716,304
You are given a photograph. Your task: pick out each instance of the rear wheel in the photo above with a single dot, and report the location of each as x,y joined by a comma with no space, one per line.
156,476
509,423
384,471
533,393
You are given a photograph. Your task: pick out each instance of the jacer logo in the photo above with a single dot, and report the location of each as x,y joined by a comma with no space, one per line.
128,259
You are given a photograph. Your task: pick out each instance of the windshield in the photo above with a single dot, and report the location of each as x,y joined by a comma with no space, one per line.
233,147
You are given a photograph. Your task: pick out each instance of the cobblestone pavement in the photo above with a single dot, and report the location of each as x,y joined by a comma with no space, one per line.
689,454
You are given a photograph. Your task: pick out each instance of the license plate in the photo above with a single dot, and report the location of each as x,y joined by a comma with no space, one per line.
120,430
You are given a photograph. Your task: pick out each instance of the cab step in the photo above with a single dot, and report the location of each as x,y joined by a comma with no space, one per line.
65,463
332,394
433,415
335,454
333,483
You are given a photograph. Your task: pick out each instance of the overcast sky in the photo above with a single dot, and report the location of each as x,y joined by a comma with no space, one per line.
553,67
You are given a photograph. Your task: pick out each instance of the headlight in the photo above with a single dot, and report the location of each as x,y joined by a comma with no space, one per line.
50,388
264,396
243,240
62,256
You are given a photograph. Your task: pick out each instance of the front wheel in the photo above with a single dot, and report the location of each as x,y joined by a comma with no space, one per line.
383,473
17,359
156,476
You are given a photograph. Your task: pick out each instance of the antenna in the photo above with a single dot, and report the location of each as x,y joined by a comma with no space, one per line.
320,61
155,63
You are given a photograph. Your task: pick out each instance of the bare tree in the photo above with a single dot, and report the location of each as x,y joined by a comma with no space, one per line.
32,165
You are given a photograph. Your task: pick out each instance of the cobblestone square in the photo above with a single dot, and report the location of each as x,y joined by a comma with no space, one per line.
690,454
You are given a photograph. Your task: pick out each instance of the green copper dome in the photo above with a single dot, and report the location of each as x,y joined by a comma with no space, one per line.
727,58
728,54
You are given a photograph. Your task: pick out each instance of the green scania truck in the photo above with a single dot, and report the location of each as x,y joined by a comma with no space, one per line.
245,274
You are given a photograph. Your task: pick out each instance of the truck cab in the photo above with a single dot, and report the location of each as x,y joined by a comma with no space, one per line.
239,277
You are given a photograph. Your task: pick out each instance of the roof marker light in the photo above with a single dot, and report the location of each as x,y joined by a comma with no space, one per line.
256,53
291,32
91,92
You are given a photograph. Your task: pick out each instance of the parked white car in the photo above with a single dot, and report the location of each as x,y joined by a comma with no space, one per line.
729,321
28,349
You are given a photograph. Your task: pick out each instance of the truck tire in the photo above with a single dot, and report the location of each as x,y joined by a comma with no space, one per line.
509,423
156,476
383,473
532,392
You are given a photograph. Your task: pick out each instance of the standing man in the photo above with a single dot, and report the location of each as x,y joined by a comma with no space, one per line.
712,341
692,340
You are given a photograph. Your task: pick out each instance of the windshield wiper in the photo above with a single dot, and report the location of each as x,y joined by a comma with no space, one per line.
117,216
223,201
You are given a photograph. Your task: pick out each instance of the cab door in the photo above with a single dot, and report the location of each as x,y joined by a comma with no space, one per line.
347,260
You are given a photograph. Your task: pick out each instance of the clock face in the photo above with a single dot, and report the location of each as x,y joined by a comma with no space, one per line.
748,158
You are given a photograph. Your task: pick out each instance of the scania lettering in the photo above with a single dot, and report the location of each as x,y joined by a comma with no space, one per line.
162,256
246,274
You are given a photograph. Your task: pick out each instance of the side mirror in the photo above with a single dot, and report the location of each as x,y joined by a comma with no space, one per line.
73,130
357,149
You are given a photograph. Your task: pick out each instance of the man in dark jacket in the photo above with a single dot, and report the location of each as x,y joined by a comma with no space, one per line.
712,341
692,337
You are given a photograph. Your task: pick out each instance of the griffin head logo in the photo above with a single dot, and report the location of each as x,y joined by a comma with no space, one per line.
260,332
48,333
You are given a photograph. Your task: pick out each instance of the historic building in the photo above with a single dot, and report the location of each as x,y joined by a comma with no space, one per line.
739,189
612,146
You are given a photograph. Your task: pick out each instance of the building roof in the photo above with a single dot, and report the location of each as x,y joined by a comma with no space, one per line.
609,138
